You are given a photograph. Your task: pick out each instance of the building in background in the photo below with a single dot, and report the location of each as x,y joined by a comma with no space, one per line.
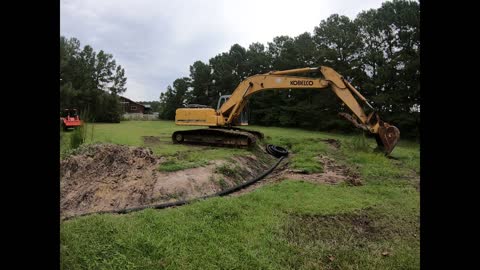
148,109
135,111
130,106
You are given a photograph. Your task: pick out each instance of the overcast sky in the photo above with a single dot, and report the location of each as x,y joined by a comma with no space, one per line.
157,40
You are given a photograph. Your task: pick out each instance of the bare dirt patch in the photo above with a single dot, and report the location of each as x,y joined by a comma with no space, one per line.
332,142
325,239
414,178
360,225
106,177
151,140
276,176
333,173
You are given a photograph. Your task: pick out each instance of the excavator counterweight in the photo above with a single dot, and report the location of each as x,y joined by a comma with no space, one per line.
229,112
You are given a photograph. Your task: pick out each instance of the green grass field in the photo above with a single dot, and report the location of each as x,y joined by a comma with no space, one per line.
288,225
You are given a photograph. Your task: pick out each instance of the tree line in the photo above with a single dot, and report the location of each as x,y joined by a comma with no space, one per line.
378,52
90,81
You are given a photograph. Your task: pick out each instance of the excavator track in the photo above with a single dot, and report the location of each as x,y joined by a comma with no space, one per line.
257,134
234,137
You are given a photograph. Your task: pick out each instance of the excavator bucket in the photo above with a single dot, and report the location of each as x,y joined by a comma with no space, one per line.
387,137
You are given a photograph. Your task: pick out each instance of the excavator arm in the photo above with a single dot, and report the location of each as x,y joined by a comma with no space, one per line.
280,80
386,135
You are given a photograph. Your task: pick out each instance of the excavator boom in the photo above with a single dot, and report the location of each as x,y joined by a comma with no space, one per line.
228,114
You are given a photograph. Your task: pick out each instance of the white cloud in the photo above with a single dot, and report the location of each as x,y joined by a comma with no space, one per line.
157,41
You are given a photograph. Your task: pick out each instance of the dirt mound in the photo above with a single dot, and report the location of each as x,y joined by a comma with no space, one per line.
106,177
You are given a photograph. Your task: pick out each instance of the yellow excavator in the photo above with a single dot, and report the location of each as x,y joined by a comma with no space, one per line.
230,110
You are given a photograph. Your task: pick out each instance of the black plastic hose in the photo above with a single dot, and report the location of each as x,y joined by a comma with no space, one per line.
276,151
182,202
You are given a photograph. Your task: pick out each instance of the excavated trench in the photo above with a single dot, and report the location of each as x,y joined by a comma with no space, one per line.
108,177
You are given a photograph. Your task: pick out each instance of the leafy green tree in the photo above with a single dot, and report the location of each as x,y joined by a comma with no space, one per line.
282,52
118,81
201,83
257,60
337,38
377,52
90,81
391,38
175,97
228,70
337,43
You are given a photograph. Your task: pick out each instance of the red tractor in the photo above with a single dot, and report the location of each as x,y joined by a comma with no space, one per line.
70,119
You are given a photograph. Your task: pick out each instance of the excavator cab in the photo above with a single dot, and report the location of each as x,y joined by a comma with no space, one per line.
222,100
240,121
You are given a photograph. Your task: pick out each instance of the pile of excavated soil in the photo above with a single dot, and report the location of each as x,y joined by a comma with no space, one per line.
106,177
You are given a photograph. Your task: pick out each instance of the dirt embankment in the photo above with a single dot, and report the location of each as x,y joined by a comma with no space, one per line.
107,177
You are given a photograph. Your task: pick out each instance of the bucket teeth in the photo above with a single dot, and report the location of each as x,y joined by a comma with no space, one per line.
388,137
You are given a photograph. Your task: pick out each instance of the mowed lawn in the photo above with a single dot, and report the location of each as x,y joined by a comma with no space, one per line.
286,225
